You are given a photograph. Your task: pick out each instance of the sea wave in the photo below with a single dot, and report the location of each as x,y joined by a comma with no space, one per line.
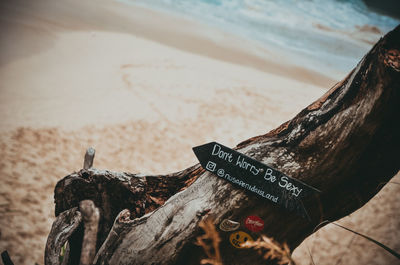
338,32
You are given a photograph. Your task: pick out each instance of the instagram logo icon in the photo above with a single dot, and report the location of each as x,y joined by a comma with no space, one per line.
211,166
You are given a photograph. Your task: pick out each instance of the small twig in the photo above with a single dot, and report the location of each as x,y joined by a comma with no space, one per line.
272,250
89,157
210,248
388,249
6,258
91,216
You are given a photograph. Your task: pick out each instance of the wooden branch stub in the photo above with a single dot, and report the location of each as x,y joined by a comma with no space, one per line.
121,223
91,217
63,227
89,157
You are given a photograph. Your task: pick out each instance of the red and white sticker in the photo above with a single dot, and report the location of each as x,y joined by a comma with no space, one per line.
254,223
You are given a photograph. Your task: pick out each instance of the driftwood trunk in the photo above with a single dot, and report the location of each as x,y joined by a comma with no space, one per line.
345,144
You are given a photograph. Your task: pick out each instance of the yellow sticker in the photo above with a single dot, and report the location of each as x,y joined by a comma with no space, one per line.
239,238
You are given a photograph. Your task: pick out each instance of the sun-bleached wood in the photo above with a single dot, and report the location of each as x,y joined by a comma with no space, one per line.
89,158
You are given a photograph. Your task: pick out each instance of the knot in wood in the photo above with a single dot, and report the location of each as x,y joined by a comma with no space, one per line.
392,59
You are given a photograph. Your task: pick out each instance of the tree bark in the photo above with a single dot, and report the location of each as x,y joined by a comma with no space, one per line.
344,144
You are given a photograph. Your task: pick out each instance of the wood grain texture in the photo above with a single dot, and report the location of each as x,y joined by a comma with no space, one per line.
90,216
63,227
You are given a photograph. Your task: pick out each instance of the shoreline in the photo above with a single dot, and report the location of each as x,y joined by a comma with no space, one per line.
186,35
109,56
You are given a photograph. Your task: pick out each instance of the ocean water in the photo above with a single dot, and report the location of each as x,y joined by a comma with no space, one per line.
328,34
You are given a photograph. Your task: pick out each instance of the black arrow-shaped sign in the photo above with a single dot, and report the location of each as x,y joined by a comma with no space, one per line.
254,176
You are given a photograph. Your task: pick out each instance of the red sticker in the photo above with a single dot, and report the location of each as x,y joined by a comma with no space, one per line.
254,223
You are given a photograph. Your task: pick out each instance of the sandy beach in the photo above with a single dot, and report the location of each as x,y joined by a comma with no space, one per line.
143,88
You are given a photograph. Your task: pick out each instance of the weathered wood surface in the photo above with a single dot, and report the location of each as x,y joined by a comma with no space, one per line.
345,144
91,217
63,227
89,157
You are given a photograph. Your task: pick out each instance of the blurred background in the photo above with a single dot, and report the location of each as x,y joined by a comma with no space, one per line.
328,35
144,81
